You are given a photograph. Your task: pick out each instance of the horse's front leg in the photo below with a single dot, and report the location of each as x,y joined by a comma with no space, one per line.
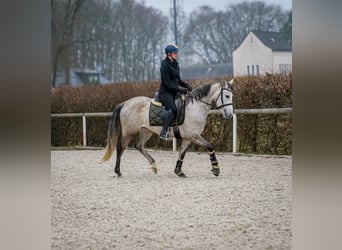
184,147
214,163
199,140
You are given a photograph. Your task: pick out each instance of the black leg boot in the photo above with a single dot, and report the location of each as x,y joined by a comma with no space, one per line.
167,119
164,133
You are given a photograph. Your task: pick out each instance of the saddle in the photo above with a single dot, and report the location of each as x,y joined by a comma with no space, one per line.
157,110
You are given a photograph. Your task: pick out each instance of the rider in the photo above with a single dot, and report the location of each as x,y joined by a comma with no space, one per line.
170,80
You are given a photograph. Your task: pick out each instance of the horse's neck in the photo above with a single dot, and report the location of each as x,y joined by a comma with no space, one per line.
202,106
208,103
205,103
210,98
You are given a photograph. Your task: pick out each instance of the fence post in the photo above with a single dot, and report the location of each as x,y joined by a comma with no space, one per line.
174,144
234,132
84,130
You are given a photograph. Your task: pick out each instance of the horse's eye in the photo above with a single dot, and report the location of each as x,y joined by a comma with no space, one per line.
227,96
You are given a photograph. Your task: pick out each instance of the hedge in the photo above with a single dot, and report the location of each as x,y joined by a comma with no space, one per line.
261,134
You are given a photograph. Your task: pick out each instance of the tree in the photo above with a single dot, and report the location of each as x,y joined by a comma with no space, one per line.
64,15
202,34
286,30
214,35
122,37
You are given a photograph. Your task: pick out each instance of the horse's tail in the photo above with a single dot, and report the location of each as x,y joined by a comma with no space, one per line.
114,132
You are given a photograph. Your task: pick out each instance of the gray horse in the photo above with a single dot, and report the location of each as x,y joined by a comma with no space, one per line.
130,119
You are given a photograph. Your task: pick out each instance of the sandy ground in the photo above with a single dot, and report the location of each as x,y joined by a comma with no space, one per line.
248,206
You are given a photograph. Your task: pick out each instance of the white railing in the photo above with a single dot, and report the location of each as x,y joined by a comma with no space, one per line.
84,120
253,112
174,143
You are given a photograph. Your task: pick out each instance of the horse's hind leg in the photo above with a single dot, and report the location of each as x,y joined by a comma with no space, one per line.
143,137
120,148
184,147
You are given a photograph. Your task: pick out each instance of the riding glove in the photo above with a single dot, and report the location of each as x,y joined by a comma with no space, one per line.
188,87
182,91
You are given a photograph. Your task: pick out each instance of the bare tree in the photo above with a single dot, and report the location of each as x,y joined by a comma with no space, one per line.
257,15
126,39
141,29
203,34
214,35
123,37
286,30
64,14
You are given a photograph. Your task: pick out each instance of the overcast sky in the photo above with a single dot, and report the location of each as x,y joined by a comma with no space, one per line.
190,5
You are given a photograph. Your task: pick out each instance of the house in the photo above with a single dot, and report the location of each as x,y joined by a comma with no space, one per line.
262,52
80,77
206,71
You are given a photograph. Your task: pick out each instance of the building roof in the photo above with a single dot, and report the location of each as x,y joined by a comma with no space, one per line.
273,40
79,77
207,70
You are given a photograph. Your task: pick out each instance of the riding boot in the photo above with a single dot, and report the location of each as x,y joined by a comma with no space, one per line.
168,117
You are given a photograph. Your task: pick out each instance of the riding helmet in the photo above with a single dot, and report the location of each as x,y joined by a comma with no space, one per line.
171,48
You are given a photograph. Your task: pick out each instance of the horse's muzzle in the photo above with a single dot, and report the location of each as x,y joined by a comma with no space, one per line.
227,115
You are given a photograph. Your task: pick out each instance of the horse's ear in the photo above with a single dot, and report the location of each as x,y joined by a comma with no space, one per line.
230,84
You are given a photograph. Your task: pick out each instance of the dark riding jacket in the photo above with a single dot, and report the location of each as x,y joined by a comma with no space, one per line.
170,78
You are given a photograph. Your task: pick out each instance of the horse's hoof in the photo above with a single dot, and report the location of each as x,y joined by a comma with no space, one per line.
154,168
119,175
179,173
215,171
182,175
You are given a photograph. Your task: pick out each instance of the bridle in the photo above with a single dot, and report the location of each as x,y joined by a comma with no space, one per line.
230,89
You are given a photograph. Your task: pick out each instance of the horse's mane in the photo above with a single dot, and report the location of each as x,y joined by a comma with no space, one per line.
202,91
199,92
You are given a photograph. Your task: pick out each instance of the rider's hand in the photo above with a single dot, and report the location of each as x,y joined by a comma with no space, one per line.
188,87
182,91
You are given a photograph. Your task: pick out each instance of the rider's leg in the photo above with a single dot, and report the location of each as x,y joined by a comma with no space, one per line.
169,116
169,103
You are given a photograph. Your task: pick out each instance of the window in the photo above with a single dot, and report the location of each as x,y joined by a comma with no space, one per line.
93,79
253,70
285,68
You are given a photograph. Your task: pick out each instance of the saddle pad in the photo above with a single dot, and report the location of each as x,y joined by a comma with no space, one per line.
156,115
156,103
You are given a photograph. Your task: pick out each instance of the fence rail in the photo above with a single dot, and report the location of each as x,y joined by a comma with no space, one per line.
211,112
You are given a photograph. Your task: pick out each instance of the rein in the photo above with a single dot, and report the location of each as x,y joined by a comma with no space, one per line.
198,99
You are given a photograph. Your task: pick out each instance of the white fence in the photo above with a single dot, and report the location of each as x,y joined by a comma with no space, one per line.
212,112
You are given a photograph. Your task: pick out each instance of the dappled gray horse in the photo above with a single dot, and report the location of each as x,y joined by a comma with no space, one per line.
130,119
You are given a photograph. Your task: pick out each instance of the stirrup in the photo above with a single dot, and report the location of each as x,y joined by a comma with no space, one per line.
164,135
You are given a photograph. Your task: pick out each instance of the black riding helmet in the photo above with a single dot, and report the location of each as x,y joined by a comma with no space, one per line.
171,48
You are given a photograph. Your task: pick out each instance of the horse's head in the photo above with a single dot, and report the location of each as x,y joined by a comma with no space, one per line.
224,100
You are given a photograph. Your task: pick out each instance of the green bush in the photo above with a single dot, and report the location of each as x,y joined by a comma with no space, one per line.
264,134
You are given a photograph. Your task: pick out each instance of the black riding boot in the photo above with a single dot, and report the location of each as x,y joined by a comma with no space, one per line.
168,117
